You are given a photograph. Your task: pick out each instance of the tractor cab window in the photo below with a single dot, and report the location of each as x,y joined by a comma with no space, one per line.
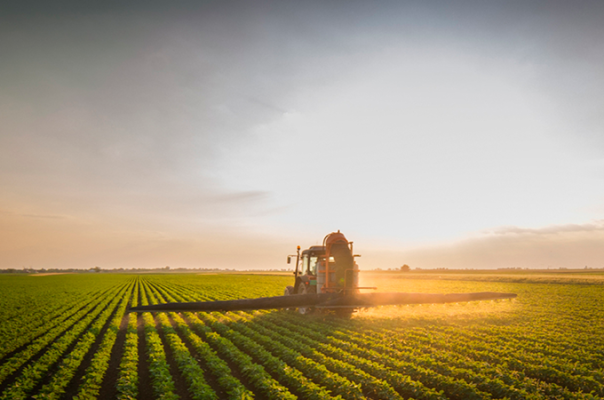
313,265
304,266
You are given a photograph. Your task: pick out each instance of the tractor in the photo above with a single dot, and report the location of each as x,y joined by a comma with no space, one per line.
326,278
330,268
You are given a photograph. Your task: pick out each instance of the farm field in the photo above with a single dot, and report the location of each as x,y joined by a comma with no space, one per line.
70,336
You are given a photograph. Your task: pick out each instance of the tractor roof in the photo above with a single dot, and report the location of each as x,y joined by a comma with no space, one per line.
314,250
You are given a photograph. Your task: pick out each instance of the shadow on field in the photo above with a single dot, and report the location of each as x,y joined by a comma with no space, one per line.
321,324
482,313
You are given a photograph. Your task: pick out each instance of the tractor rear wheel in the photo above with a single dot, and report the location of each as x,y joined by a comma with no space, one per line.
303,289
345,312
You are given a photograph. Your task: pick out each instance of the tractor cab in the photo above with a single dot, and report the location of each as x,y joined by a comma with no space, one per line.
306,270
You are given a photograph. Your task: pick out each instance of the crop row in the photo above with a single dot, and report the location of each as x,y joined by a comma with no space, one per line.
72,342
529,365
256,375
459,371
92,380
163,384
405,384
557,346
520,359
187,365
15,335
281,353
455,382
76,321
385,346
127,382
217,367
70,363
523,350
328,371
334,368
42,321
492,379
89,326
283,369
30,307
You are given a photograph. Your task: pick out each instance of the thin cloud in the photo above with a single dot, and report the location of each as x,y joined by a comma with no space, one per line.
550,230
239,197
267,105
43,216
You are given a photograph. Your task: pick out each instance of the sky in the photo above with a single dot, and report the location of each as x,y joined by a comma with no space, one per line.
221,134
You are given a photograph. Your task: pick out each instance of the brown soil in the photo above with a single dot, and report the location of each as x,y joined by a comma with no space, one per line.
145,390
74,384
235,372
108,387
180,383
210,379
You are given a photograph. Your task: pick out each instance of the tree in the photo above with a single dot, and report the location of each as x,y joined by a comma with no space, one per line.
405,268
97,269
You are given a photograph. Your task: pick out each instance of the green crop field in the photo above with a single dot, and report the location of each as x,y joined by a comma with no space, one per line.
71,336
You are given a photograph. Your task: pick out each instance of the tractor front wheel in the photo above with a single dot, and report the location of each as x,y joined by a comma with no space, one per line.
289,290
